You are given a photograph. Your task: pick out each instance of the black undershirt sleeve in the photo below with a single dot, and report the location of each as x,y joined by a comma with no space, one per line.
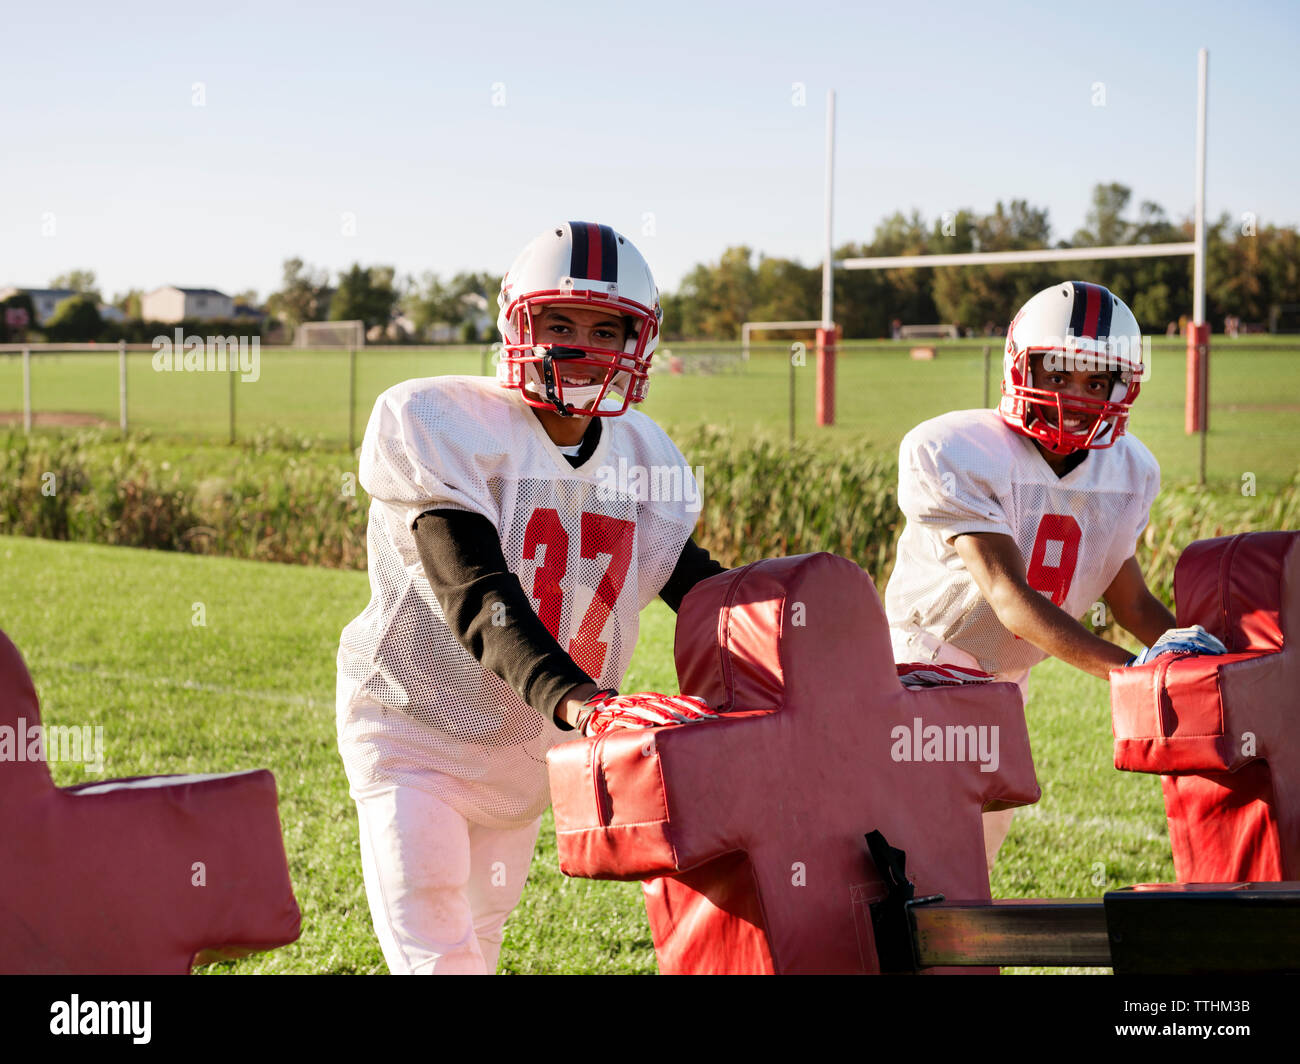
693,565
488,611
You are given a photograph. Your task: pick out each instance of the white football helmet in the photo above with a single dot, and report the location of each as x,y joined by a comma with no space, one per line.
1075,326
593,267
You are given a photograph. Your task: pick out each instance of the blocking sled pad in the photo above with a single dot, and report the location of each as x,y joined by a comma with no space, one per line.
133,876
1224,731
750,831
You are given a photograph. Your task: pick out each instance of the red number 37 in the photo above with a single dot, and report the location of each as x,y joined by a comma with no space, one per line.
599,534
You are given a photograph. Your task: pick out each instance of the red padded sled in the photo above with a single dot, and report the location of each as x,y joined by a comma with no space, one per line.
101,878
754,825
1224,731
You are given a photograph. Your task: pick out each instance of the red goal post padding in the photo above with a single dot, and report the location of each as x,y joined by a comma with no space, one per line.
827,346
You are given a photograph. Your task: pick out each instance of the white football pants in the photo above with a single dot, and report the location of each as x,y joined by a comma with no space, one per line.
440,887
918,645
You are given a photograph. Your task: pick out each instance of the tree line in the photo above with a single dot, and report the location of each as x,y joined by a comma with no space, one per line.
1253,270
464,305
376,295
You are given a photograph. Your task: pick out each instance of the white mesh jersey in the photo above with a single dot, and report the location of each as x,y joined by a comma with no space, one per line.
967,471
591,546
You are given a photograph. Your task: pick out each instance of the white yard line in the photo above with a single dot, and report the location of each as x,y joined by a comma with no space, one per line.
1130,827
142,679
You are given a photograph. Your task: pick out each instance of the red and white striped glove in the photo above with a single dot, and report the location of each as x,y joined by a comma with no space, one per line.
649,709
917,674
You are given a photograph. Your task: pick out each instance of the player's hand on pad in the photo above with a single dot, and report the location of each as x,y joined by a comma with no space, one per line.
1194,640
648,709
917,674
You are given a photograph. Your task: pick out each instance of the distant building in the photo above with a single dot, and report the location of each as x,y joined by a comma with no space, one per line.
170,303
243,312
44,300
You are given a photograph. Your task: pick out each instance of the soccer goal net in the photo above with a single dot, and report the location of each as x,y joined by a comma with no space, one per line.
331,334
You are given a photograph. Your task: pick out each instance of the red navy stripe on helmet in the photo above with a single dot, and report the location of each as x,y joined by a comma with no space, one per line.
595,252
1091,314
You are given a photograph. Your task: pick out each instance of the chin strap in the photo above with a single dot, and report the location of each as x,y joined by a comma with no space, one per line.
549,377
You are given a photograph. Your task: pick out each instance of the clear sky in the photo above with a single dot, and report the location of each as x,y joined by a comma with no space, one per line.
442,136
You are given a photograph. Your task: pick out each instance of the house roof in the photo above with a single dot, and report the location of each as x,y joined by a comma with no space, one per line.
190,291
36,293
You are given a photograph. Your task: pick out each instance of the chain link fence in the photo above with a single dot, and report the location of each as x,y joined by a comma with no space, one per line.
883,388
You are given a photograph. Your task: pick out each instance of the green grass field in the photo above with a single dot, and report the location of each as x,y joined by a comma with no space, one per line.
107,632
108,636
881,393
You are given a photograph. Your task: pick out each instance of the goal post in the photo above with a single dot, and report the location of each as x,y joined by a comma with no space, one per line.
827,340
349,336
344,334
748,328
1196,407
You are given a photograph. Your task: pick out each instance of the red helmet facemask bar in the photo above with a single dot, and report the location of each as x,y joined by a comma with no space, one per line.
611,364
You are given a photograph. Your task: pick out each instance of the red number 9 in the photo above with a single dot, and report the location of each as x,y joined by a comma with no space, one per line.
1053,577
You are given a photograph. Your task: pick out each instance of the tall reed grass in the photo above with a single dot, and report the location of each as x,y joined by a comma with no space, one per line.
287,498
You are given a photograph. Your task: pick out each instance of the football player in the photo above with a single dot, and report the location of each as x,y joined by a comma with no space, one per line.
507,571
1020,519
